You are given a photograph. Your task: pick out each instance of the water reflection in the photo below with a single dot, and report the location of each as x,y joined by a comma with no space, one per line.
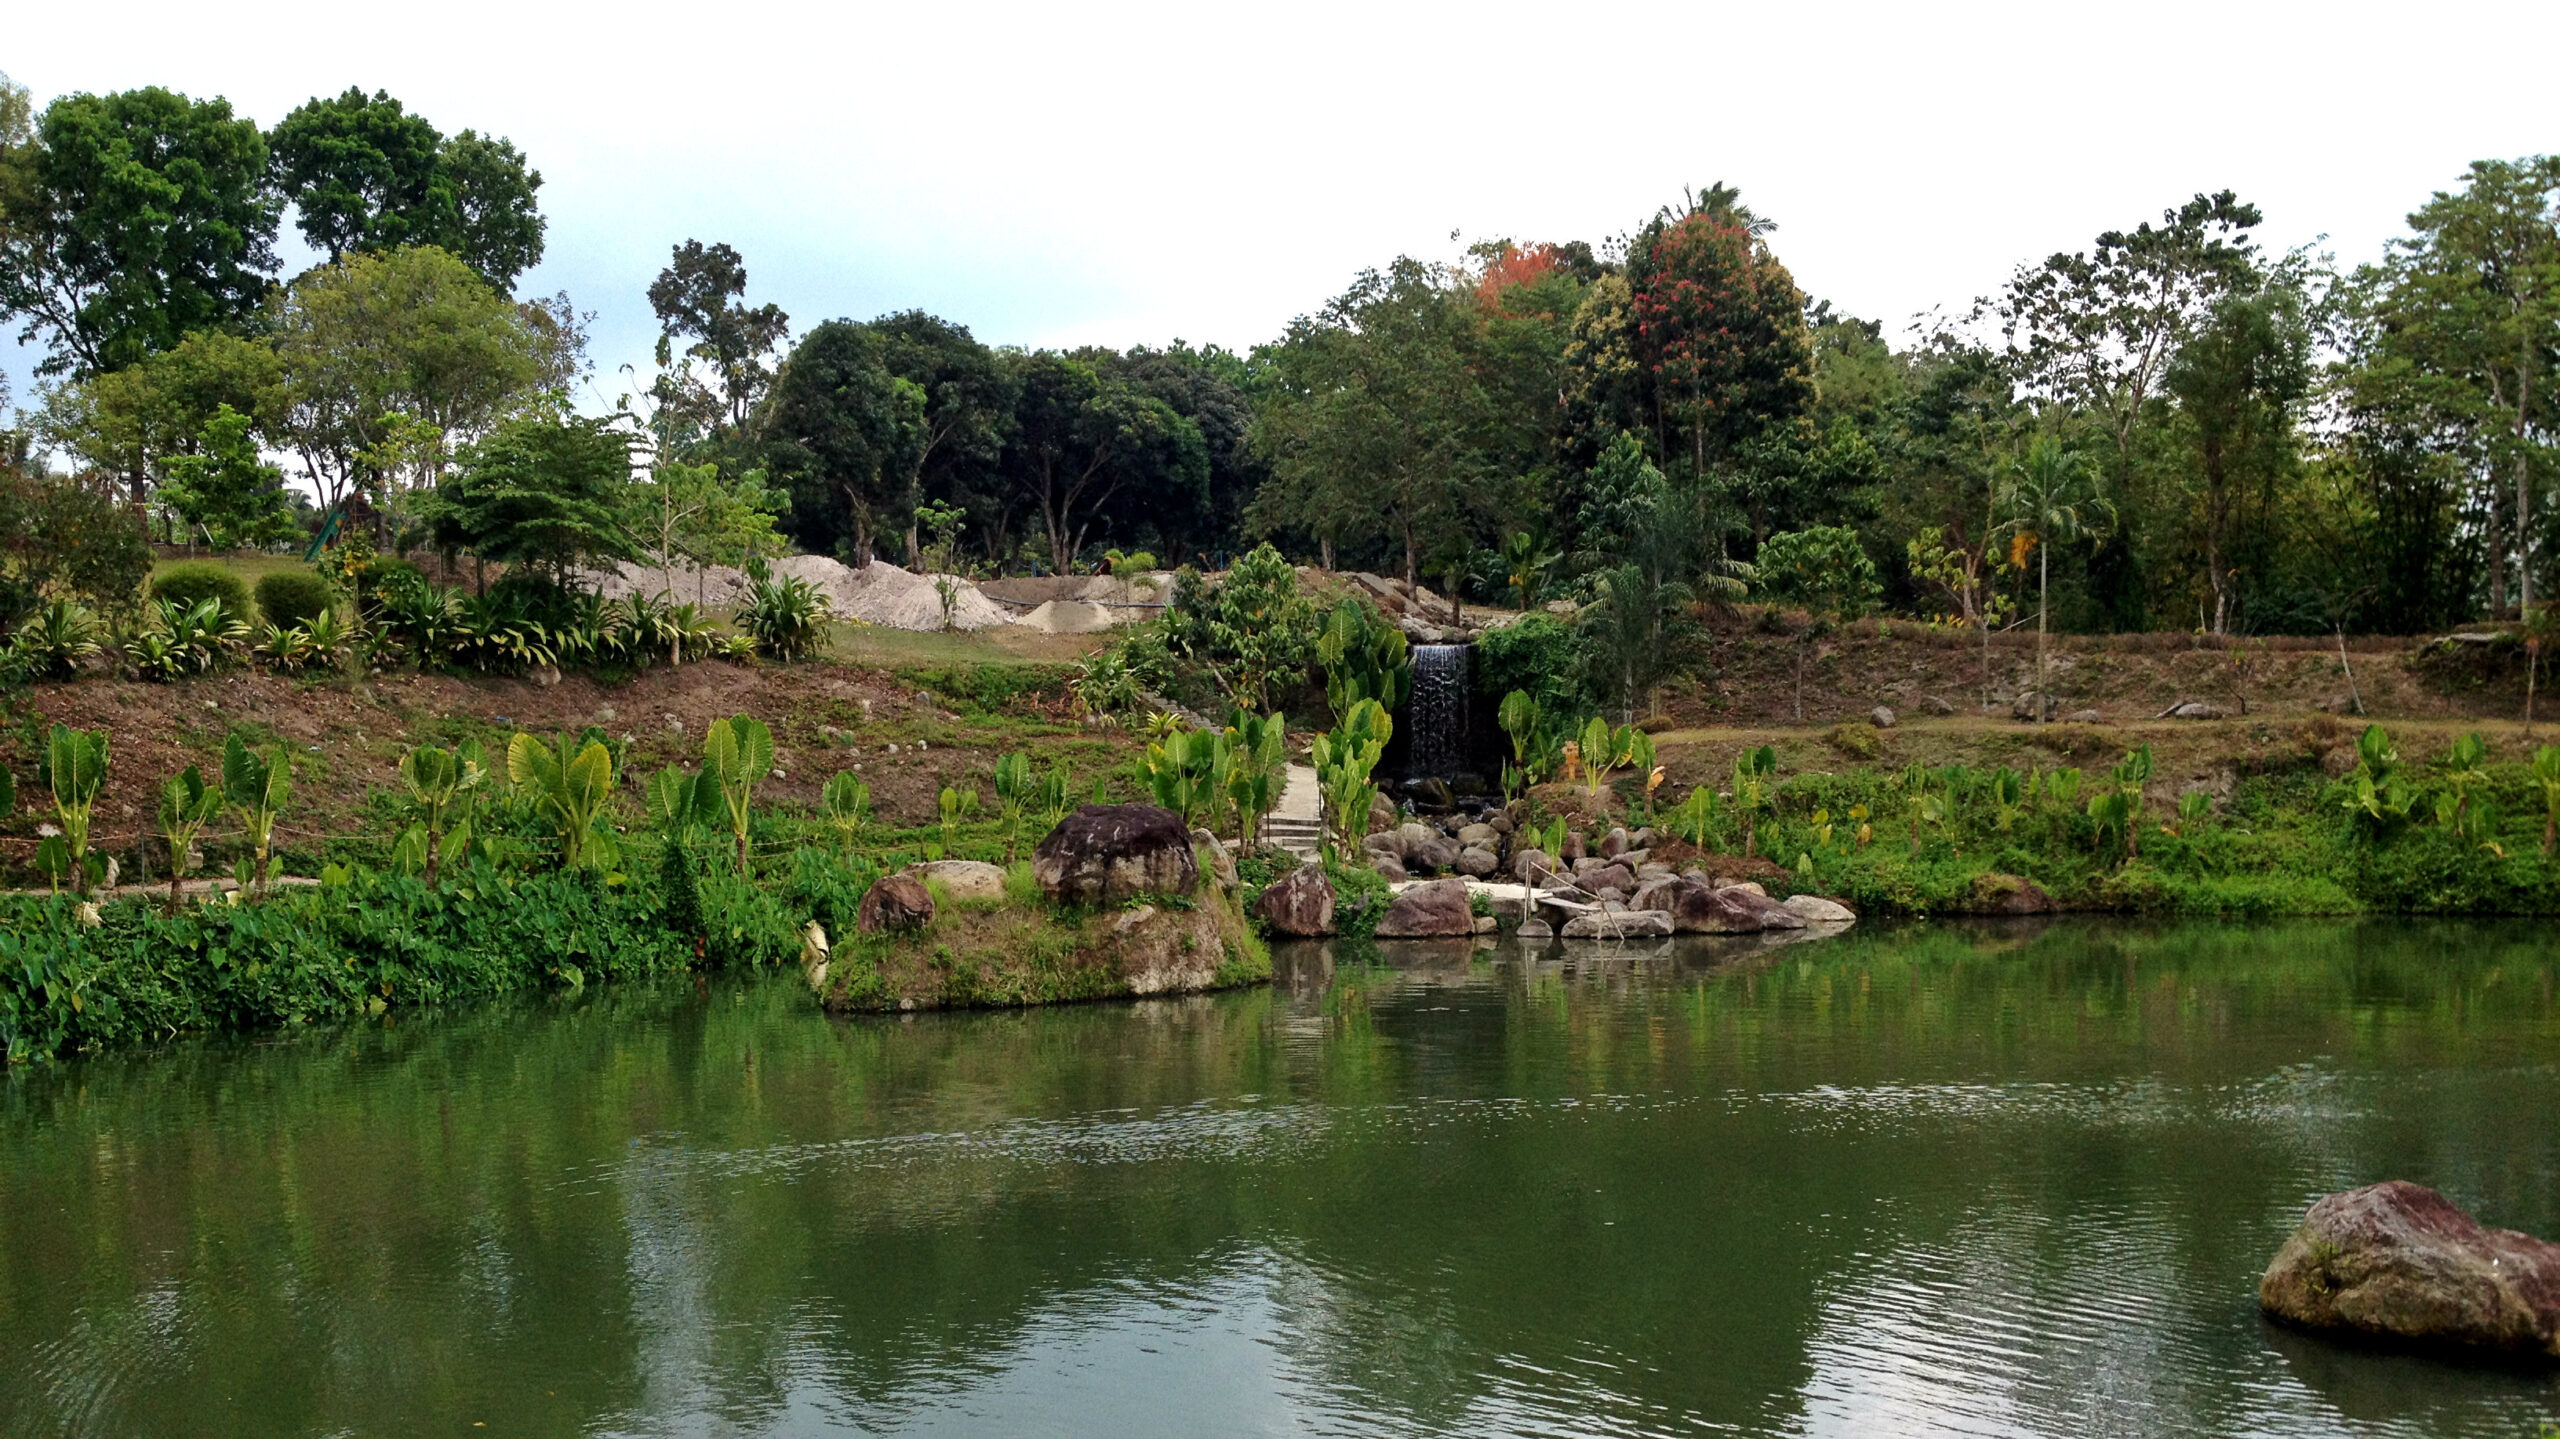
1941,1181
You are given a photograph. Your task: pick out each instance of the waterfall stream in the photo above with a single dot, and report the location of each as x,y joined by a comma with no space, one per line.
1438,710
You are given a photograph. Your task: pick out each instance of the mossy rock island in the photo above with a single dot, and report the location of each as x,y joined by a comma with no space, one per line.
1115,903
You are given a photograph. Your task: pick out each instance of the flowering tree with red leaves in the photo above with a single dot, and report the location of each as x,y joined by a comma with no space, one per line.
1720,332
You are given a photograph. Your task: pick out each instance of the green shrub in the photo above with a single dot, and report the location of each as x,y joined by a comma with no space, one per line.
292,599
1857,741
196,581
1360,899
1538,654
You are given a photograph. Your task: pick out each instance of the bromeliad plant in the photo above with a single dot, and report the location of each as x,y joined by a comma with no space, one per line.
73,770
256,783
571,790
187,804
739,750
787,616
55,640
441,783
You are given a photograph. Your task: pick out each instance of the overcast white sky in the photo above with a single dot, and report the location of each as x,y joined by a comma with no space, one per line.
1118,174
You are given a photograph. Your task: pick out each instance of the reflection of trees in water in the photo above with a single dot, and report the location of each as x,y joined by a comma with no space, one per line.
1464,1187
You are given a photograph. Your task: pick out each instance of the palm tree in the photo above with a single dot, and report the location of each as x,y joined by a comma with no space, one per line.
2052,496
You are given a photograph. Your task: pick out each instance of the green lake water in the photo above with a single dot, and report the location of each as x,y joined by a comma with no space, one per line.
1921,1181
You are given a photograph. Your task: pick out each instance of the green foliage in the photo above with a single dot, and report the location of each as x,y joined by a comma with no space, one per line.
1754,774
845,804
682,806
182,638
224,489
255,784
546,493
1364,657
72,771
1256,758
738,753
953,804
1187,773
1695,818
187,804
787,616
1537,654
292,598
67,539
195,581
1821,567
1345,758
1016,792
441,785
571,791
1252,629
2546,778
55,639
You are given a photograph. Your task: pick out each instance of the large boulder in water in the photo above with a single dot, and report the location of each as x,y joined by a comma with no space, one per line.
896,902
2398,1261
1438,910
1696,906
1107,854
1299,903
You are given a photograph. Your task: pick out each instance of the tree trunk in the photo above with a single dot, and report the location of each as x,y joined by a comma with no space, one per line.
1324,555
1412,565
2214,507
2524,490
2497,560
2044,590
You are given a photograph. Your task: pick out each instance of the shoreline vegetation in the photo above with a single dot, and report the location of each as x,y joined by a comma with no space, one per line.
496,693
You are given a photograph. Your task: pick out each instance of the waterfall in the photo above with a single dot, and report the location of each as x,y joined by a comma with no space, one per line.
1437,713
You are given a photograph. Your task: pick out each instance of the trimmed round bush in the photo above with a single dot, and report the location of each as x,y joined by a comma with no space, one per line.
291,598
199,580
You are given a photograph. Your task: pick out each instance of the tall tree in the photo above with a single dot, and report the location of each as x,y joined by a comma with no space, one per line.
128,220
968,407
703,316
2236,380
2096,330
1081,440
376,345
544,491
1719,329
2469,305
364,173
841,431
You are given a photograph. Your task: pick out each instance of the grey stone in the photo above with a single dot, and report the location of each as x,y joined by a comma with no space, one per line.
1482,835
1428,911
1614,843
1883,717
964,879
1635,924
2084,717
1106,854
1389,869
1477,861
1814,909
1299,903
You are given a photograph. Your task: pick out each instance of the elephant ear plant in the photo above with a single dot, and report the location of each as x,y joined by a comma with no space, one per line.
187,804
440,784
569,790
740,749
1015,791
73,770
846,805
256,783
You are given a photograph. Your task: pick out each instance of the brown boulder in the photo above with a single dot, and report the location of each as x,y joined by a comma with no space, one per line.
1429,911
896,902
2397,1260
1698,907
1298,903
1107,854
1608,876
2008,894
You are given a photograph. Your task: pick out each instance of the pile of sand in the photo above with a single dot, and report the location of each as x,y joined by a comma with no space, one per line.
880,593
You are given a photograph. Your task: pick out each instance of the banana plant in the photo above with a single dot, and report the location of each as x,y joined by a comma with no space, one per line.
956,805
256,783
1015,791
740,748
187,804
73,770
440,784
845,804
2546,773
1752,773
1257,767
571,790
